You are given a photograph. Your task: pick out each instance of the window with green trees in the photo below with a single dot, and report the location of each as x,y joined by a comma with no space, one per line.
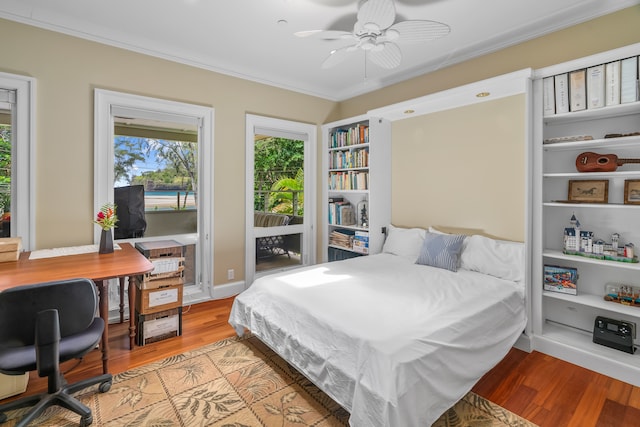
279,175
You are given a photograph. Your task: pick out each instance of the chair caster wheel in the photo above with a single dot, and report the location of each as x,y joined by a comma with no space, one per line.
104,387
86,420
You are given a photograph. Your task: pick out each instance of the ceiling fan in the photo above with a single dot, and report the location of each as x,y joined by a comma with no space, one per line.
376,34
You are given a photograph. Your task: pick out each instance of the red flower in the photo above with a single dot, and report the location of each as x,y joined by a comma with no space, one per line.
106,217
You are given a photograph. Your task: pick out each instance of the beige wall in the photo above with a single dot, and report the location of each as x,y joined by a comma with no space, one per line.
68,69
462,167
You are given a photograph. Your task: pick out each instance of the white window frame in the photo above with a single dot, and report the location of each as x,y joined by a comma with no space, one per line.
23,157
104,102
285,129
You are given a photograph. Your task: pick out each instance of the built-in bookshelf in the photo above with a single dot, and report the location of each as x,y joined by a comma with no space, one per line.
600,123
357,193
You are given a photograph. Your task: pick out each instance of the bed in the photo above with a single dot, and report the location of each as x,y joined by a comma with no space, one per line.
398,337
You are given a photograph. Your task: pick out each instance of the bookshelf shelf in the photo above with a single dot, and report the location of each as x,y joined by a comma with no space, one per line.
563,323
357,169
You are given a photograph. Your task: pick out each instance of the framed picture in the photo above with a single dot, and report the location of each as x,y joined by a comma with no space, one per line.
632,191
589,191
561,279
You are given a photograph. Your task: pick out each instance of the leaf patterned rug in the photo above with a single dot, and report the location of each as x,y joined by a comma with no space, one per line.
236,382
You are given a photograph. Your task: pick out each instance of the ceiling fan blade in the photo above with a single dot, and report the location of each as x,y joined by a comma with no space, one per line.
387,57
337,56
417,31
325,34
379,12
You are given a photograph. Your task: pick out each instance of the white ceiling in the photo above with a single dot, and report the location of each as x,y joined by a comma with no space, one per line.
247,39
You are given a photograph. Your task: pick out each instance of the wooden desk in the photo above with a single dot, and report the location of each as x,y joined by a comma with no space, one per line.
124,262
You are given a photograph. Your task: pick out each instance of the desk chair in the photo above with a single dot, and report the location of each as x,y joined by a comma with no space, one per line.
41,326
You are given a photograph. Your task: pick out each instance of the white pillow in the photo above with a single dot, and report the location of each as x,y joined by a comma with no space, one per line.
404,242
498,258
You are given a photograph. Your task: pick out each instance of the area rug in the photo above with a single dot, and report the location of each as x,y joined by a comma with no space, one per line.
236,382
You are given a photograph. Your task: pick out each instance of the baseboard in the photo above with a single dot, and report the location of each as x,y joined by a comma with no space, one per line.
227,290
524,343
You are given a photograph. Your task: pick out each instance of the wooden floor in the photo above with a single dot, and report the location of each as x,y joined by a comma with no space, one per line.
540,388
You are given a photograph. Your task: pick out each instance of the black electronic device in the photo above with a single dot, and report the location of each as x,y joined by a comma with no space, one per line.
614,333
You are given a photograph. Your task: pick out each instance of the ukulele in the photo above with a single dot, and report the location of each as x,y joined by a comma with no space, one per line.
594,162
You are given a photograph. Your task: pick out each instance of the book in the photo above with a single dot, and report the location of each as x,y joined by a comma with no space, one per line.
561,83
560,279
629,80
548,98
595,86
361,242
577,90
612,80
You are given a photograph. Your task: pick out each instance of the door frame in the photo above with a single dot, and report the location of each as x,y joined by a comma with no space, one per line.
292,130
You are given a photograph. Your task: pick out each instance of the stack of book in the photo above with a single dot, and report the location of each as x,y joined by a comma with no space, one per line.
341,212
342,238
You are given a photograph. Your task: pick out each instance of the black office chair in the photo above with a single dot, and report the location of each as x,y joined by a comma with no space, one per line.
41,326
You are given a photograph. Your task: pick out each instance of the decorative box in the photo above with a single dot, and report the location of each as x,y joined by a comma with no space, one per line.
10,385
160,248
154,300
10,248
154,327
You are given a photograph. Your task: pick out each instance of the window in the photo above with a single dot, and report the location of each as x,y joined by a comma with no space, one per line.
16,183
167,147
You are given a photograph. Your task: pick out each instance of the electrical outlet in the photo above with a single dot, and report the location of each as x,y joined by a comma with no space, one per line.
231,274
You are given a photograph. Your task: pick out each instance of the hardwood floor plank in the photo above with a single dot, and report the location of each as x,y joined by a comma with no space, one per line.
538,387
591,401
634,397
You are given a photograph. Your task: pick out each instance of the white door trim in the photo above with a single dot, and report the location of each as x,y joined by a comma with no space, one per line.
282,128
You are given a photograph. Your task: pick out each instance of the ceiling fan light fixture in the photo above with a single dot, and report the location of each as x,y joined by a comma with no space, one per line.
376,33
368,43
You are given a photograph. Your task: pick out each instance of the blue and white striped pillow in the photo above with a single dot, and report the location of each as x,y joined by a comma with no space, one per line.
441,250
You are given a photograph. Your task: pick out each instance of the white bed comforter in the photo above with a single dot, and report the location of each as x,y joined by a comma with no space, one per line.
394,343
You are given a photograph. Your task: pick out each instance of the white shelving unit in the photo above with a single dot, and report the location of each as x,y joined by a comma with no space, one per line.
563,324
365,161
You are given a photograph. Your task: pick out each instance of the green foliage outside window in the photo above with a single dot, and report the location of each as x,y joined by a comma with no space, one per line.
5,167
278,165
